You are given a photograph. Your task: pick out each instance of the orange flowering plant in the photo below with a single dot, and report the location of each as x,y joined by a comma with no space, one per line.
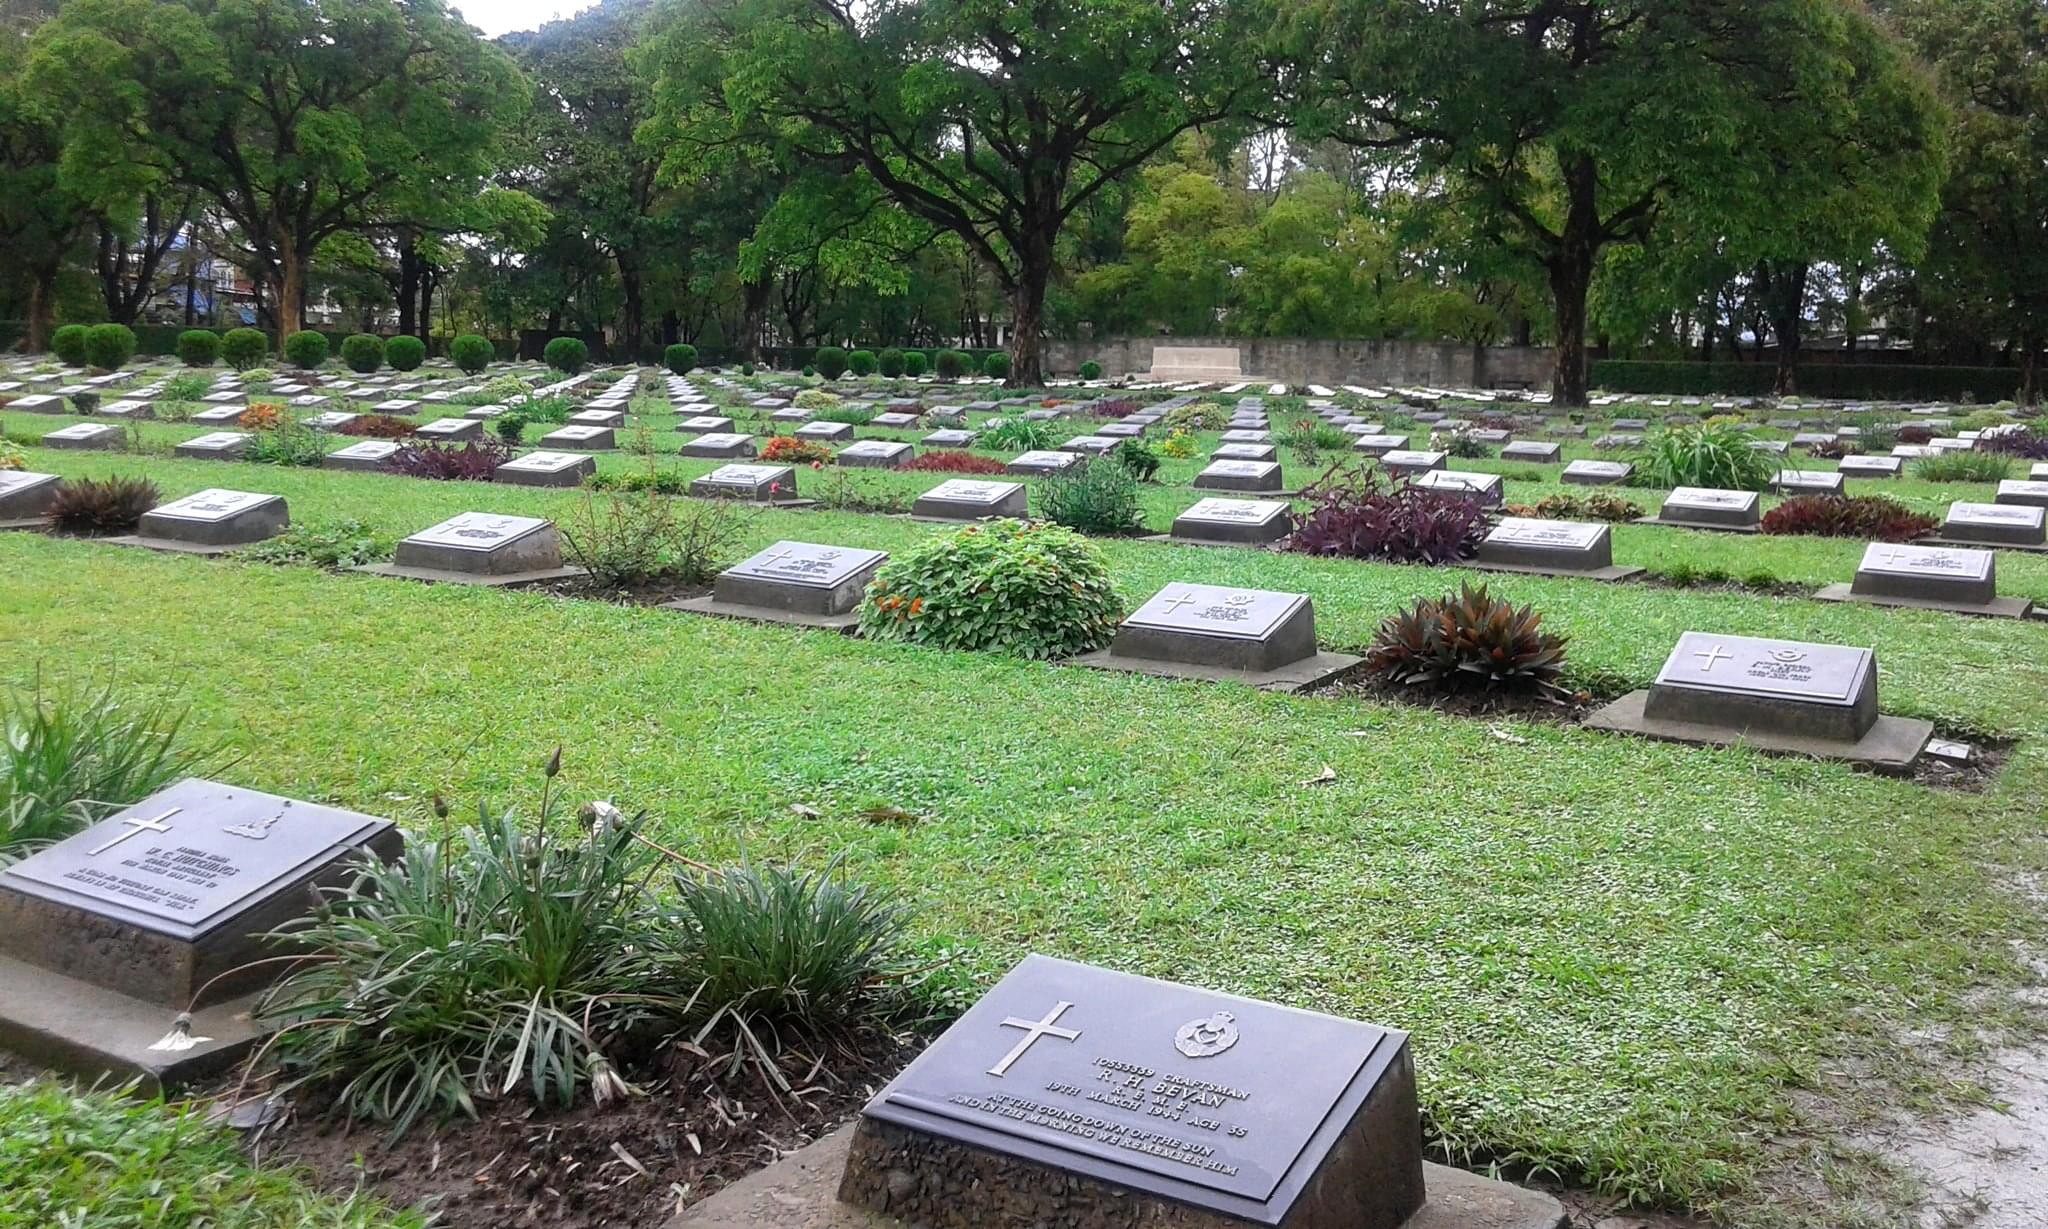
1035,590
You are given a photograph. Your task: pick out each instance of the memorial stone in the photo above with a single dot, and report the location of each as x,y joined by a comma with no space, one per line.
1699,507
83,435
1411,462
875,454
1995,524
2027,494
1249,630
757,483
1239,476
588,439
451,430
483,545
212,520
1486,488
719,444
25,497
215,446
1040,463
1235,521
368,455
800,578
965,499
549,469
1525,544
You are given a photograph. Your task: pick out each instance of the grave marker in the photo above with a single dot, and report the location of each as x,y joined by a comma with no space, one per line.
966,499
719,444
758,483
25,498
481,548
367,455
1239,476
1551,548
549,469
1238,522
84,435
588,439
1995,525
793,582
875,454
1704,508
210,522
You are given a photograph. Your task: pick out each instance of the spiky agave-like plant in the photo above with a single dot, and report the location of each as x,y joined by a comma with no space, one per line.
1469,641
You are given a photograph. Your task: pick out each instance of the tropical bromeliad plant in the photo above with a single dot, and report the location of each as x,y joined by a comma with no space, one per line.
1467,642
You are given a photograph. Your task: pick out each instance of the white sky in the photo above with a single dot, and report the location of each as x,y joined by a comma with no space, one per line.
495,17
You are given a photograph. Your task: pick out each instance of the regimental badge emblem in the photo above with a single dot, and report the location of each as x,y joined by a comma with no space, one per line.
1207,1038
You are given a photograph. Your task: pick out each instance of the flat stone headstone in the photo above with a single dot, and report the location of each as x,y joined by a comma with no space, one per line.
1533,451
1128,429
1245,521
896,420
1996,524
948,438
550,469
83,435
1242,435
2026,494
367,455
451,430
221,416
1869,467
216,518
800,578
1820,691
26,496
1412,461
1239,476
483,544
759,483
705,424
161,899
1040,463
719,444
1486,488
968,499
1090,445
589,439
1688,505
38,403
397,406
828,432
1250,630
1244,452
875,454
1597,473
223,398
215,446
127,408
1143,1102
1928,573
598,418
331,420
1559,546
1379,445
1807,482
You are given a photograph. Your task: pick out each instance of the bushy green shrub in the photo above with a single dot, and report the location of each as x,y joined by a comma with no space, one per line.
566,354
289,442
1310,437
109,345
1197,416
244,348
996,366
1137,457
363,352
830,362
951,364
186,387
915,364
1036,590
306,349
69,759
861,362
1716,457
1017,434
680,358
509,426
1091,370
816,399
405,353
471,353
746,369
199,347
321,544
636,535
1096,496
890,363
68,344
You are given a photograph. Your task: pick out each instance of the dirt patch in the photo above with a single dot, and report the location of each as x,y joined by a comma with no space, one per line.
648,593
1978,774
631,1164
1564,711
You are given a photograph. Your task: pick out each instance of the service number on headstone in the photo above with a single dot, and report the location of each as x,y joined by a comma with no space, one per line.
1769,669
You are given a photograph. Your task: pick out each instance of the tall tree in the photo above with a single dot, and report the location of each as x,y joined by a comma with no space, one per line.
989,119
295,119
40,220
1570,126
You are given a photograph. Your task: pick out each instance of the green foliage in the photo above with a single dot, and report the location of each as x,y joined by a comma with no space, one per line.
74,757
952,364
68,344
1871,518
1197,416
1310,437
915,364
199,347
1179,444
109,346
746,369
500,389
186,387
555,409
1137,457
640,535
1963,467
680,358
1718,457
1091,370
100,506
890,363
996,366
509,426
405,353
1097,496
1033,590
566,354
290,442
12,457
244,348
861,362
1017,434
816,399
830,362
363,352
334,545
471,354
1470,641
76,1157
1462,445
1592,506
1886,381
306,349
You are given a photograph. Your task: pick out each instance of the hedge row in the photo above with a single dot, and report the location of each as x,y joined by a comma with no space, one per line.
162,339
1867,381
796,358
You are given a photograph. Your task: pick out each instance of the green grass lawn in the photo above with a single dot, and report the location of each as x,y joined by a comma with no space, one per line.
1625,963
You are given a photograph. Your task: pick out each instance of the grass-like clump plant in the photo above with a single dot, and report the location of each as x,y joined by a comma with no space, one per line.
1354,514
1034,590
626,537
100,506
1963,467
1099,496
74,757
1468,643
1872,518
1308,438
1018,435
1716,456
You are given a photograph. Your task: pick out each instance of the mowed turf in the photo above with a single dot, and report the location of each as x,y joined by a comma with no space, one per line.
1622,961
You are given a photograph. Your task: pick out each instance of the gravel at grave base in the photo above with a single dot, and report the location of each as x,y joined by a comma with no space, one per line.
517,1165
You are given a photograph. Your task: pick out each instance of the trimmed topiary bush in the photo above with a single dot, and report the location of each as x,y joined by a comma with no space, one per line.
861,362
566,355
472,353
915,364
306,349
109,345
1035,590
996,366
199,347
363,353
68,344
830,362
405,353
680,358
244,348
1091,370
890,363
952,364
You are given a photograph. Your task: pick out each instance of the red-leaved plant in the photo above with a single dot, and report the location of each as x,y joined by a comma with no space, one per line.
2030,444
1874,518
476,461
1356,515
954,461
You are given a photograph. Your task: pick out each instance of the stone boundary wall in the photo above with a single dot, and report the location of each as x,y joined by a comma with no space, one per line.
1296,360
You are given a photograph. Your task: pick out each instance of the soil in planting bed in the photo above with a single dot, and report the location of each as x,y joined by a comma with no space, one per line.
629,1165
641,593
1532,706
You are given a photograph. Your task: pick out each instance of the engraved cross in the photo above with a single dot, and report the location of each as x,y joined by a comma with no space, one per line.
136,826
1717,653
1175,603
1033,1030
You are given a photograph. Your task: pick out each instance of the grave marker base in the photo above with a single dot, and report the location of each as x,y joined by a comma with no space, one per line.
437,576
1892,745
170,547
91,1031
2039,548
801,1192
707,605
1671,524
1996,608
1293,677
33,522
1612,572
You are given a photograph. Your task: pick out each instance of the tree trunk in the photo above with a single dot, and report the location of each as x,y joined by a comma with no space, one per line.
42,295
633,311
1027,309
2030,368
1785,291
1571,274
291,287
408,284
753,319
